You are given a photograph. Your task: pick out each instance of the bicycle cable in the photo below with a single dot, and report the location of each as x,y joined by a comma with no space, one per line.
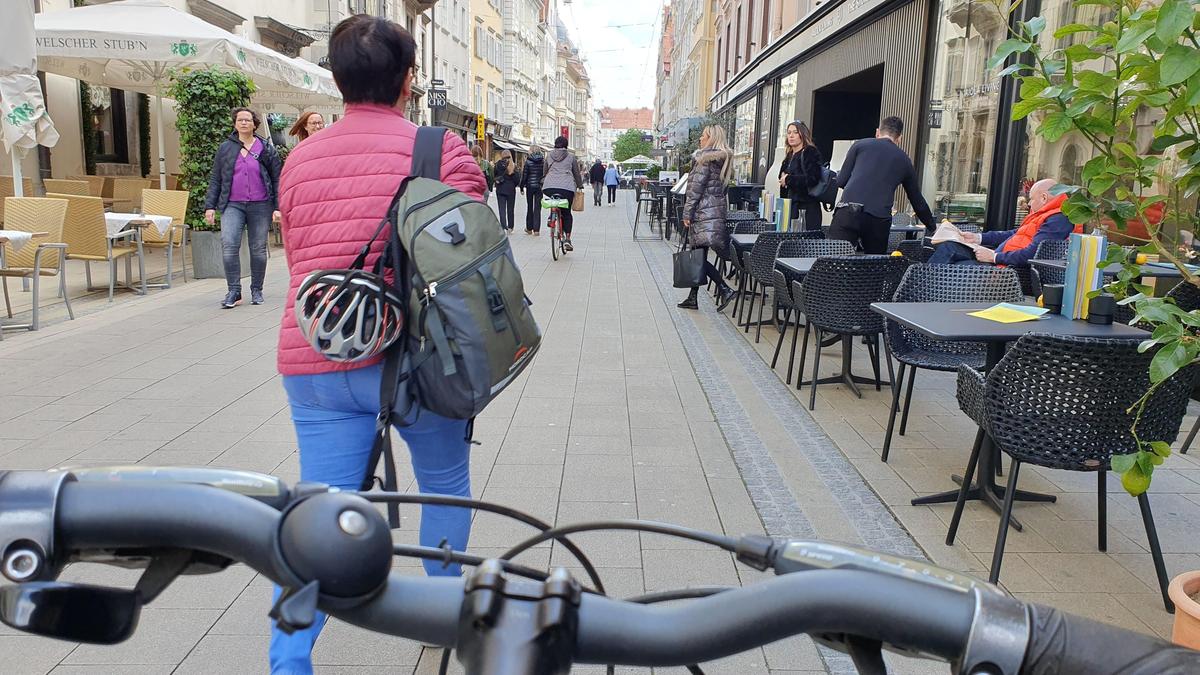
718,540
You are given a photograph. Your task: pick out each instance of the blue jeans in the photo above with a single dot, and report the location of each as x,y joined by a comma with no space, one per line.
255,218
334,415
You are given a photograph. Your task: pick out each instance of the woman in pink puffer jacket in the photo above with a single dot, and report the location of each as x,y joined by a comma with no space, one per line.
335,189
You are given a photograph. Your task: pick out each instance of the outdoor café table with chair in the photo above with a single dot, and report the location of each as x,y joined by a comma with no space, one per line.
951,321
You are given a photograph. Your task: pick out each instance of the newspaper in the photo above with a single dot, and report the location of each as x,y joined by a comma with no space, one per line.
948,231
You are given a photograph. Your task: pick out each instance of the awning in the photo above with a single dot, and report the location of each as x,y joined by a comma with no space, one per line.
509,145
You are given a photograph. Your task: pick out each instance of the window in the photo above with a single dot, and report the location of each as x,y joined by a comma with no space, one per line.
719,53
737,34
479,43
766,18
479,96
749,28
743,140
787,111
108,118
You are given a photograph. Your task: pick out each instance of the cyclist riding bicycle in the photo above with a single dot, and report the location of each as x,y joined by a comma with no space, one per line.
563,178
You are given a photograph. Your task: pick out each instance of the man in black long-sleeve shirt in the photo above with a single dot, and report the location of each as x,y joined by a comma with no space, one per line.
872,170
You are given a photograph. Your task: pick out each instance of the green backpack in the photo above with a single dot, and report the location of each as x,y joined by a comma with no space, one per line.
469,328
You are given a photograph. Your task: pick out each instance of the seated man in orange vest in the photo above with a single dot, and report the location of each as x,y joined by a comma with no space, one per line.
1014,248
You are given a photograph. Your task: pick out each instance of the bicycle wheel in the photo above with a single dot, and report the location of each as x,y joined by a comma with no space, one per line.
553,225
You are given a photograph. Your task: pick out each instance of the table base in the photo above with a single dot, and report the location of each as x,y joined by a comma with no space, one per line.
986,489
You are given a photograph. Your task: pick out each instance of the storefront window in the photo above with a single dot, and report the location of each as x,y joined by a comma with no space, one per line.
787,113
743,141
766,97
963,99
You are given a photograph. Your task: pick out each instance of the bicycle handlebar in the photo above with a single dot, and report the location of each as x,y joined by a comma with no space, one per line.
962,625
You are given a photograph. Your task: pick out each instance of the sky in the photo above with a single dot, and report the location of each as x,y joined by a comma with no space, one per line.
619,42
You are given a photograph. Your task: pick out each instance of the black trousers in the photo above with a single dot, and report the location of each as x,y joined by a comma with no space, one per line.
567,219
612,193
505,205
867,232
711,271
533,210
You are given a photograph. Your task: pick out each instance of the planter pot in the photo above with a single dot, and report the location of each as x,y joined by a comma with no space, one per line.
1187,611
207,260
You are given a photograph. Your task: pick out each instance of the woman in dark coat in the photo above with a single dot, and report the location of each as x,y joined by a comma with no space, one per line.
506,189
801,170
705,208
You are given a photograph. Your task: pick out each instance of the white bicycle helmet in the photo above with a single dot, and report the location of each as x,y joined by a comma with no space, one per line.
348,315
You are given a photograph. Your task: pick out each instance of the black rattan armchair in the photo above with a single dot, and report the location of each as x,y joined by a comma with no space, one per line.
1038,274
740,261
762,268
1061,402
915,250
837,295
941,283
802,248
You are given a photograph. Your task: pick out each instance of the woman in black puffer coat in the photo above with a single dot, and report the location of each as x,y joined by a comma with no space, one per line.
706,206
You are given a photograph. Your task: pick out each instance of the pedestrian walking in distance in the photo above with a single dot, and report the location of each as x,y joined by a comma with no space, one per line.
705,208
333,195
308,124
800,171
872,170
612,179
563,178
507,179
531,186
485,167
244,187
596,176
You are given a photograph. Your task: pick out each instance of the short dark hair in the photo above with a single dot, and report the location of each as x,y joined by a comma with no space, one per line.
892,126
253,115
370,58
560,142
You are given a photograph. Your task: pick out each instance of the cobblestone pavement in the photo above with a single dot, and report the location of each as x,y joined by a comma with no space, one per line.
633,408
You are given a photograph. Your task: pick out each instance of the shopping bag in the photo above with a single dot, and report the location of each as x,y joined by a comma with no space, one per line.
689,266
1082,277
577,203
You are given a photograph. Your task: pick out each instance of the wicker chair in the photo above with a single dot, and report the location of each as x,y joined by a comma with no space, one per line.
68,187
800,248
1061,402
87,239
1038,275
740,262
7,189
762,269
941,283
836,296
172,203
742,215
127,194
901,220
895,239
95,184
914,250
36,259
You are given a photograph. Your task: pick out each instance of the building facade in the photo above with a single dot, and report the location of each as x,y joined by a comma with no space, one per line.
522,49
616,121
691,58
666,83
841,65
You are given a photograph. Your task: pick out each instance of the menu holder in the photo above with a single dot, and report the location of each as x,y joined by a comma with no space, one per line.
1082,276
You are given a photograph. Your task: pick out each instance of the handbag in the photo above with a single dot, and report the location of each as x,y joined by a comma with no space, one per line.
688,266
577,202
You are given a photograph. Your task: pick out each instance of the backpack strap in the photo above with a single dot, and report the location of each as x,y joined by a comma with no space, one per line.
427,152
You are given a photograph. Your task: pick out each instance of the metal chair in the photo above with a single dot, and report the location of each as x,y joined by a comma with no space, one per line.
836,297
1062,402
172,203
87,239
941,283
36,259
788,288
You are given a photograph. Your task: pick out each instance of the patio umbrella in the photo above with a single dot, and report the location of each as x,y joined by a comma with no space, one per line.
23,118
134,44
639,159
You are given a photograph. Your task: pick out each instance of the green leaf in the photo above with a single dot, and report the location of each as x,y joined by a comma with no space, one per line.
1132,40
1167,361
1036,25
1054,126
1094,167
1090,79
1193,90
1023,107
1032,86
1014,68
1145,463
1161,143
1101,184
1174,17
1006,49
1072,28
1063,189
1081,52
1161,448
1123,463
1178,64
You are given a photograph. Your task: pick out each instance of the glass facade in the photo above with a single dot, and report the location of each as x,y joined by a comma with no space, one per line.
963,99
743,141
787,112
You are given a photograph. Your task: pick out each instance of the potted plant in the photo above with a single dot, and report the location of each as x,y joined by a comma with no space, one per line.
203,100
1139,70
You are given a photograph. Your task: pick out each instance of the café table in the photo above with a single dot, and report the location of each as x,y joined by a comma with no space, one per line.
118,222
1149,270
18,239
795,267
910,231
951,322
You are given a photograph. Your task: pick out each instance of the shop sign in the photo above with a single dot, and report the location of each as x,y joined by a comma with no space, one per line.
438,99
480,127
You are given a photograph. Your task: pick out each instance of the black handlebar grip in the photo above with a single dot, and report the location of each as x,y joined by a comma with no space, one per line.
1063,643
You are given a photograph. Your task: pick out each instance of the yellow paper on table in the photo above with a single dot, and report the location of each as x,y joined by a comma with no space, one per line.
1010,313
